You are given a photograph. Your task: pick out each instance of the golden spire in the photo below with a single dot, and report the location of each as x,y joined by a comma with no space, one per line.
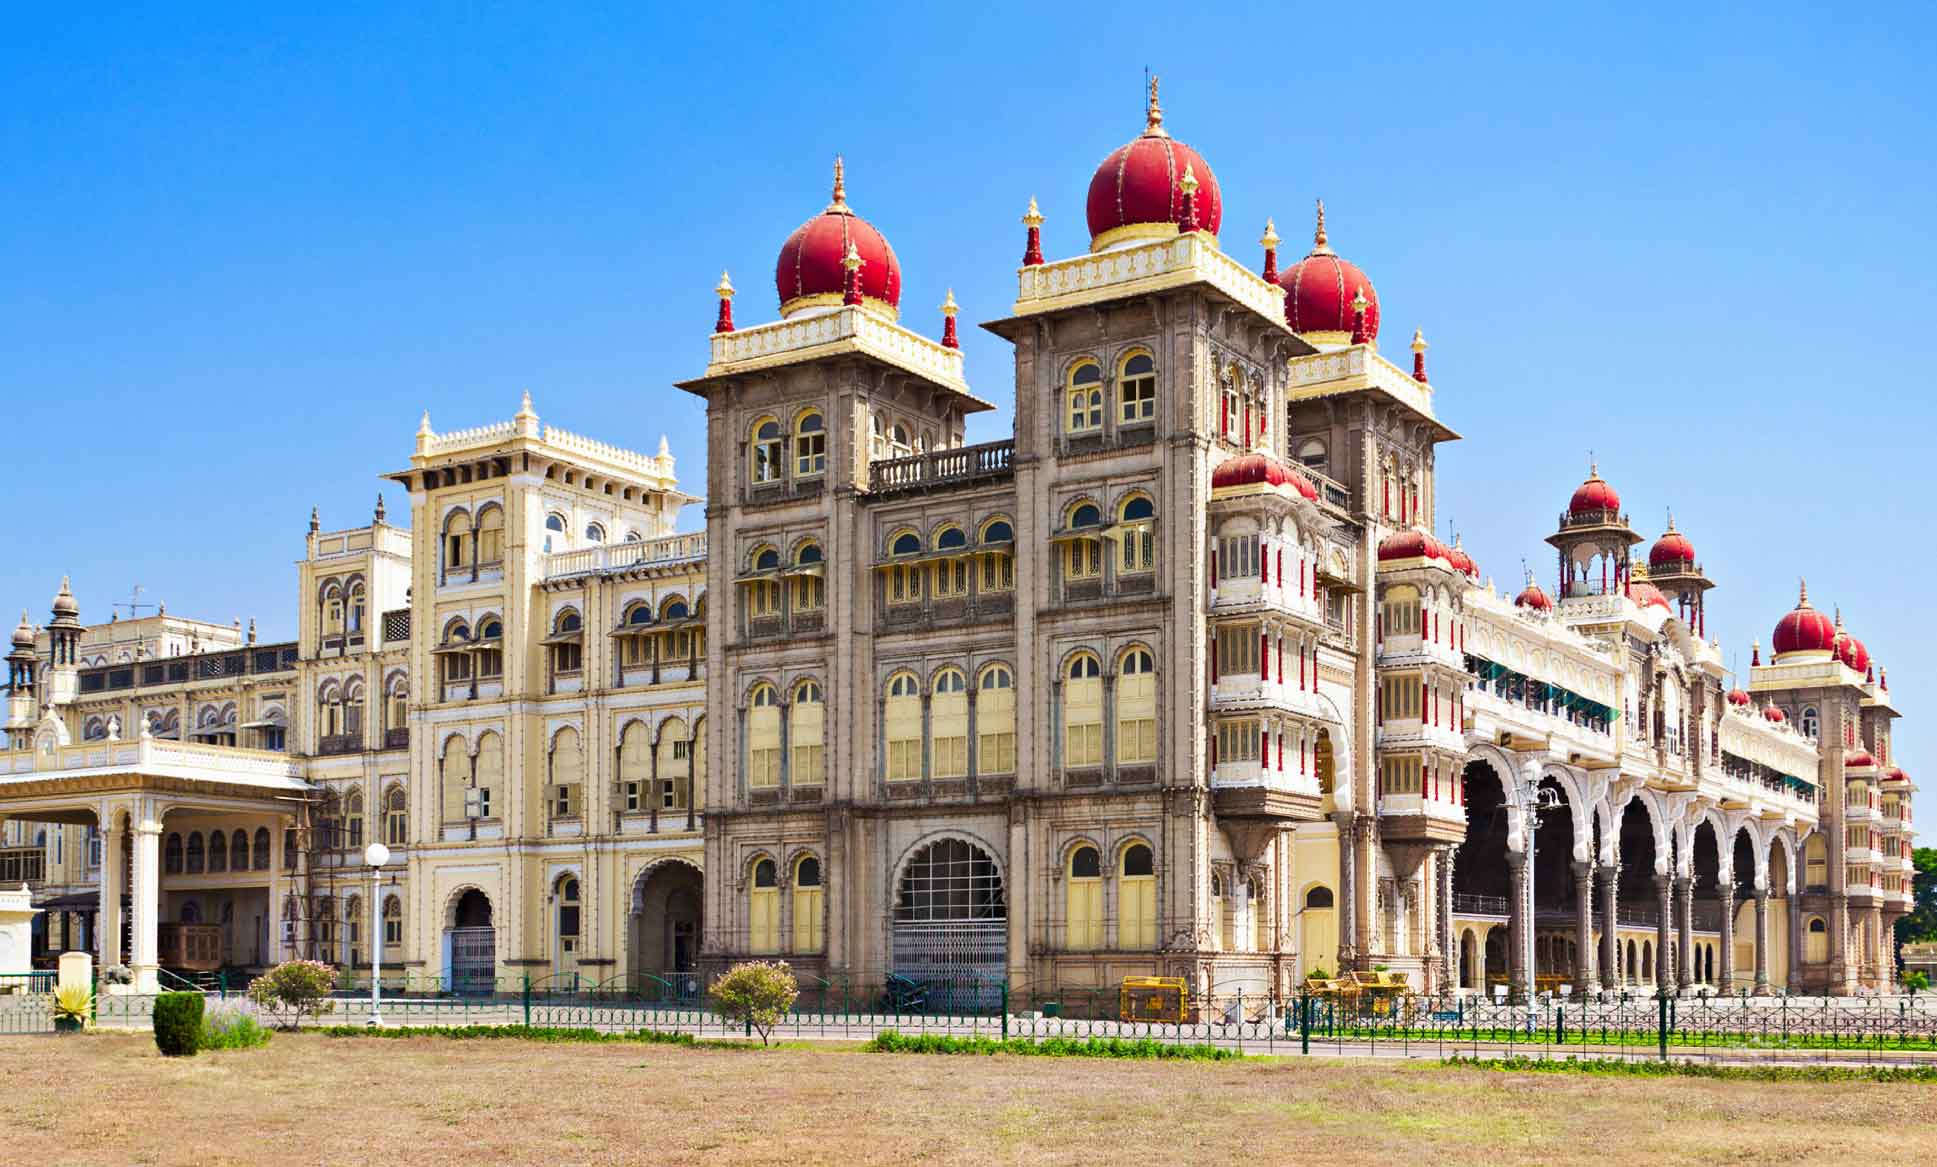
1032,217
1419,344
1802,600
949,307
1319,246
1154,116
852,260
1359,302
725,288
840,185
1188,184
1270,239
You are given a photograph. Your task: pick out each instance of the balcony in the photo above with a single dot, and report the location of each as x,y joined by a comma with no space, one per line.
20,865
1253,789
1251,693
1415,650
1252,595
1421,818
1412,736
942,469
667,550
339,743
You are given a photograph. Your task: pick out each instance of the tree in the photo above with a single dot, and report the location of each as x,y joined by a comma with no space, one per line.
757,993
1920,923
293,990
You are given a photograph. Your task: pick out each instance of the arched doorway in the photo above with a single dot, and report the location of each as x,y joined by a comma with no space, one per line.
1639,896
1706,863
1318,932
471,945
665,930
951,923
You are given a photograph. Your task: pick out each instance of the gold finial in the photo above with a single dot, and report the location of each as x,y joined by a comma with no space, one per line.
852,260
1154,116
1270,239
725,288
1032,217
840,182
1359,302
1319,245
1671,518
423,427
524,406
1188,183
1419,344
949,307
1802,601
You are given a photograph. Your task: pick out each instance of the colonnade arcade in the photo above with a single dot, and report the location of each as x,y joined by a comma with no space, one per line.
1700,899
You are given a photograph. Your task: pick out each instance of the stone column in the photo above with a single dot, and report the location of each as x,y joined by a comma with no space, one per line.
107,924
1761,941
1584,972
1519,974
1448,942
147,905
1665,899
1794,980
1348,895
1727,970
1611,978
1685,932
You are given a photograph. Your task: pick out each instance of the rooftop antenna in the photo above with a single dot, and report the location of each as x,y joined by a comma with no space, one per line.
133,603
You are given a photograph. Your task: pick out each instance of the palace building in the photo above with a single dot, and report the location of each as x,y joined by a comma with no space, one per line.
1176,680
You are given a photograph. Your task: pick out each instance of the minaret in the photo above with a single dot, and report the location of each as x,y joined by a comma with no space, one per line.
64,641
22,663
1594,541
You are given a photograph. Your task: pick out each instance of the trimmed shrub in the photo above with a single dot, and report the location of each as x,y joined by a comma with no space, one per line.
178,1023
758,993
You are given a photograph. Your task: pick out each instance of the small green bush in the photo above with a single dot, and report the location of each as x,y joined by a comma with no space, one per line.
890,1041
758,993
178,1024
230,1025
1917,981
293,990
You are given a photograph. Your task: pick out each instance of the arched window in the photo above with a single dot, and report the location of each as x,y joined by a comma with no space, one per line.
1137,390
1136,917
904,568
196,854
763,737
809,927
1083,712
1816,941
218,852
1313,455
171,855
1254,912
1400,611
489,765
948,732
1085,397
997,550
490,536
457,542
763,908
677,763
1084,900
329,709
995,721
353,708
393,929
1082,540
1136,535
951,568
898,440
1815,863
239,850
810,445
1136,705
565,797
396,817
763,584
1812,723
635,766
804,729
555,529
454,772
902,727
455,653
396,703
259,851
358,605
595,533
353,820
809,578
764,454
567,642
1220,913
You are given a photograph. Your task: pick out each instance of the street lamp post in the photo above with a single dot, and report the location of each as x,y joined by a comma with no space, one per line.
376,855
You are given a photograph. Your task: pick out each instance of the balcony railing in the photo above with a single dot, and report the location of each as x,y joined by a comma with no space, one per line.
204,666
668,549
20,865
942,468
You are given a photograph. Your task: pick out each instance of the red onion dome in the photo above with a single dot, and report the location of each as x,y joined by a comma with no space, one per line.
1774,715
1461,561
1804,629
810,274
1896,774
1858,759
1594,495
1261,470
1644,593
1532,597
1671,550
1737,698
1850,650
1411,545
1320,288
1138,192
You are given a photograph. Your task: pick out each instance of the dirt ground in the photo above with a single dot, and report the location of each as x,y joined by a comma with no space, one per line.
111,1099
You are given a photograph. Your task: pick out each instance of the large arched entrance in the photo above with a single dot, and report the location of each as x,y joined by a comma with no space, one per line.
1639,909
665,929
951,923
470,945
1705,855
1482,884
1556,891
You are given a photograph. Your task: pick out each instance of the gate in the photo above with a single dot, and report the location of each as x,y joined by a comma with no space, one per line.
950,941
474,961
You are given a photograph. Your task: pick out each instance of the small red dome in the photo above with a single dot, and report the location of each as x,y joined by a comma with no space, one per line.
1593,495
1851,652
1261,469
1141,185
1737,697
1532,597
1411,545
810,272
1775,715
1896,774
1671,550
1644,593
1804,629
1461,561
1320,288
1858,759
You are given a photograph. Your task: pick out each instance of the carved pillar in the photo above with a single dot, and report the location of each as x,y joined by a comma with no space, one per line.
1584,973
1793,981
1448,943
114,876
1348,894
1685,933
1611,977
1761,941
147,904
1727,971
1519,974
1665,899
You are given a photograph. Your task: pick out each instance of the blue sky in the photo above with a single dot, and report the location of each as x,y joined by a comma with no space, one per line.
241,250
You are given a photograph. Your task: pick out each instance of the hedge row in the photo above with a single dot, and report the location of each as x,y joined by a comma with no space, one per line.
890,1041
527,1032
1686,1069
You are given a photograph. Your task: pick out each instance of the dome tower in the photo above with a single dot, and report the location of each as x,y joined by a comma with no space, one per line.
1672,568
1594,541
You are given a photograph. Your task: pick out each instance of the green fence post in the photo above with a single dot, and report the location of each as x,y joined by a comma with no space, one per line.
1304,1023
526,995
1661,1027
1560,1025
1005,1010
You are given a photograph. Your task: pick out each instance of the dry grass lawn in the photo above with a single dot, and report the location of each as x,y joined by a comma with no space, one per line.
110,1099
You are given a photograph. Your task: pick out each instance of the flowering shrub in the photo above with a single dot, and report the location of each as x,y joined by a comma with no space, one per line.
231,1025
293,990
758,993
